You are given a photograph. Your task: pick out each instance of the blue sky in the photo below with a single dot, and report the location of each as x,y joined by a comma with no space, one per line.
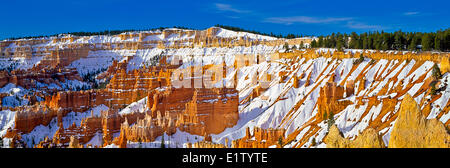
308,17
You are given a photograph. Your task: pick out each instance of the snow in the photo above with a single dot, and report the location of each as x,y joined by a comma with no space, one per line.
19,62
7,119
14,96
66,85
440,103
98,60
177,140
134,107
40,132
96,140
228,33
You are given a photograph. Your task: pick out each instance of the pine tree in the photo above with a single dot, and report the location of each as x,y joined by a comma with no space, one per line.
295,47
320,42
314,44
286,47
427,42
354,41
140,143
365,44
340,42
313,142
379,41
436,72
414,42
162,142
398,40
332,41
446,43
330,121
280,142
438,41
385,43
433,90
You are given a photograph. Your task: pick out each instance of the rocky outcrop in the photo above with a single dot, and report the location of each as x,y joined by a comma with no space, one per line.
368,139
27,118
122,139
145,130
261,138
74,143
413,130
78,101
205,144
445,65
329,102
210,111
196,111
28,78
65,57
126,88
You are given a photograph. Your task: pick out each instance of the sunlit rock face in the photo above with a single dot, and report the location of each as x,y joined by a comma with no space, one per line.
368,139
413,130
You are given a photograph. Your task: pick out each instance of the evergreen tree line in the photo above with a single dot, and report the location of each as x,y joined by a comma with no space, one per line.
413,41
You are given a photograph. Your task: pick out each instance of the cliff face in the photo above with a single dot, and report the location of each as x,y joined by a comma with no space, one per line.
28,118
64,57
329,101
413,130
77,101
126,88
210,111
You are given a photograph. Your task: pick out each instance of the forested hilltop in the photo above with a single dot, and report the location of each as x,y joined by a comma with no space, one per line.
413,41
